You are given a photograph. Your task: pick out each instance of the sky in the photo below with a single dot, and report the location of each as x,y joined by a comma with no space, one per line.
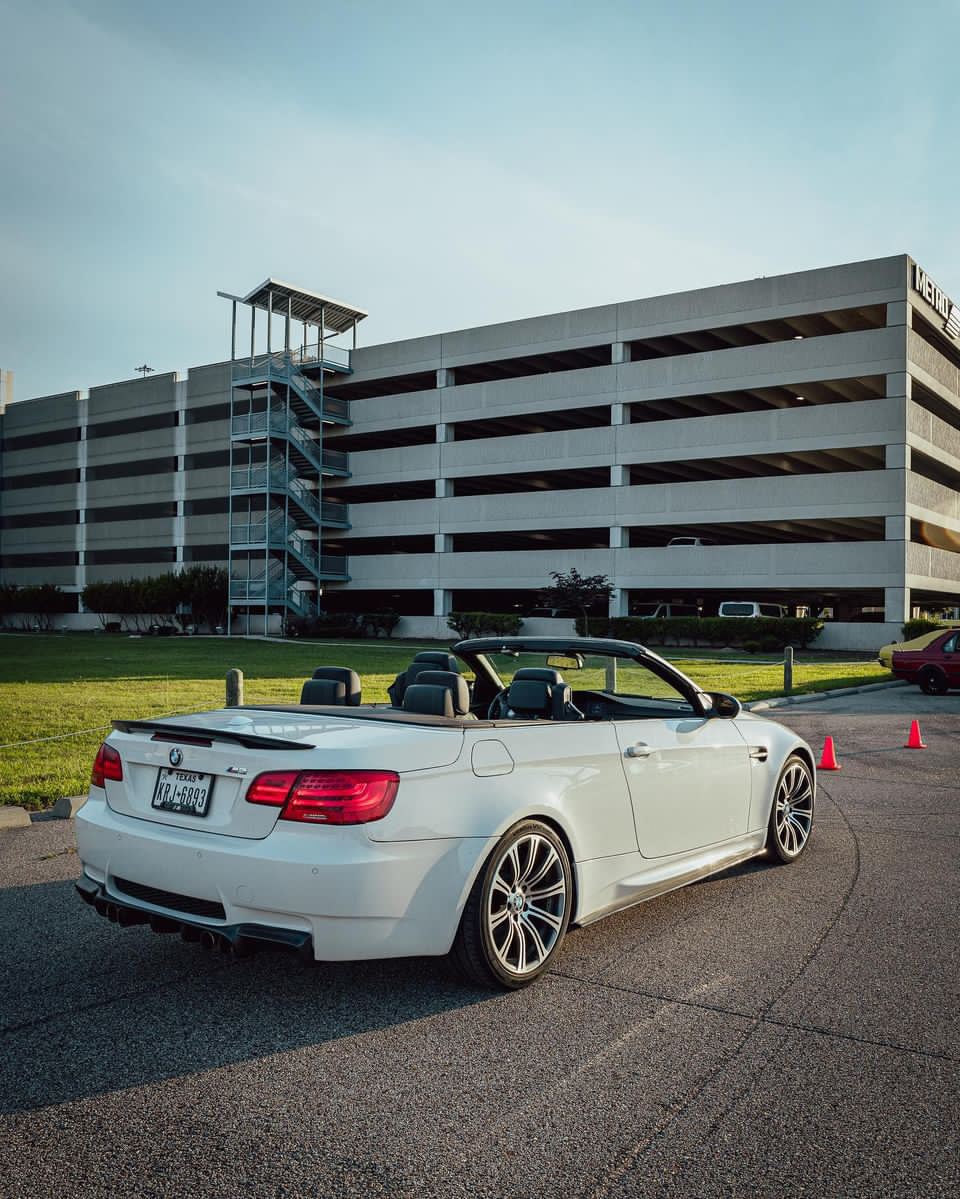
448,164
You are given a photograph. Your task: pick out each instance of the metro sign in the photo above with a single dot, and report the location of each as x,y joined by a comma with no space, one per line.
937,298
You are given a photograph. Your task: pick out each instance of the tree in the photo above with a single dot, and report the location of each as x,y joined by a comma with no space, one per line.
43,602
204,588
571,589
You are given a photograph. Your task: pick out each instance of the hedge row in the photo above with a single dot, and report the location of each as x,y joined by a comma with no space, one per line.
765,632
343,624
200,591
484,624
915,628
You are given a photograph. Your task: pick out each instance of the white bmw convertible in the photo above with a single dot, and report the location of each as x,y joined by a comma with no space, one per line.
511,789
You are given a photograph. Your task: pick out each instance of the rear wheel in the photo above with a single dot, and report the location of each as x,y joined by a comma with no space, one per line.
517,915
933,681
791,817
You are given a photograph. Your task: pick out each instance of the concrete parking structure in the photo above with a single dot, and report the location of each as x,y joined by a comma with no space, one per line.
806,425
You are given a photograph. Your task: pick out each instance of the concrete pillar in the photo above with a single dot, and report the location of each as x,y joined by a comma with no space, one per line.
898,313
896,604
618,604
443,433
899,384
616,414
441,602
620,352
896,528
445,377
618,537
618,476
443,488
442,543
897,457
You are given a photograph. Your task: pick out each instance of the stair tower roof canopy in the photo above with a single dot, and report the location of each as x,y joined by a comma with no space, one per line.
306,306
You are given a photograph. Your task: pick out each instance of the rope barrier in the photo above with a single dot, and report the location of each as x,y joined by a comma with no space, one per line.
98,728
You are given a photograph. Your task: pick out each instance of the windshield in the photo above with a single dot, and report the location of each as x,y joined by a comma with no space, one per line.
645,610
632,679
738,609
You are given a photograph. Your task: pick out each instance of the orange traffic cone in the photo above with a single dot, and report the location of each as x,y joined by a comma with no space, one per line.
828,760
915,741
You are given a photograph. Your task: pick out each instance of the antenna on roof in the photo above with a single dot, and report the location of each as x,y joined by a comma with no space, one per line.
144,370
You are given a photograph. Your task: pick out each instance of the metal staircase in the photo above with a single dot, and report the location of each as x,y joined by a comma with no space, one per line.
279,412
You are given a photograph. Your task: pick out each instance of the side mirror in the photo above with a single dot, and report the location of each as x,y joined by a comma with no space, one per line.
725,705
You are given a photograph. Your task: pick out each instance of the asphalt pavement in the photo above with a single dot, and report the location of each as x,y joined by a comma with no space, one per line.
771,1031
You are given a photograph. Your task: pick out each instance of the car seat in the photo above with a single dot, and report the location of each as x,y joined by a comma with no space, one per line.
332,685
426,660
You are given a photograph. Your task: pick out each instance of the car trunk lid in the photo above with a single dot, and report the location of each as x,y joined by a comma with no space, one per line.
229,748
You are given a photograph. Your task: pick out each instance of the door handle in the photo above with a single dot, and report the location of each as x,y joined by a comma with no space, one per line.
758,753
640,750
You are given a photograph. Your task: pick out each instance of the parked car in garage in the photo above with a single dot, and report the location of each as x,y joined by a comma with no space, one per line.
934,667
478,819
750,608
663,611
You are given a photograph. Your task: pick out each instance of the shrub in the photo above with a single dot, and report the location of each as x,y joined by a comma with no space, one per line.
767,631
915,628
484,624
377,624
751,647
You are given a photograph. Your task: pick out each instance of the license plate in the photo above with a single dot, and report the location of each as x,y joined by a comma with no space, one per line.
182,791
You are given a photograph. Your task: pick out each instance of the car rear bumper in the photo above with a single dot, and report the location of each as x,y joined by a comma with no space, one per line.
329,889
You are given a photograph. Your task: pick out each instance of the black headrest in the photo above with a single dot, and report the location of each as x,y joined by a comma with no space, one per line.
428,701
349,678
415,669
544,673
529,695
323,691
455,684
441,661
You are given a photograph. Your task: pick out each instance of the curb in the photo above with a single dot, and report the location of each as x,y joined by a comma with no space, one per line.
809,697
67,808
11,817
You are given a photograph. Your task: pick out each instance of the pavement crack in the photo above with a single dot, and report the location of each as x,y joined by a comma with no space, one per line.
756,1019
680,1106
118,997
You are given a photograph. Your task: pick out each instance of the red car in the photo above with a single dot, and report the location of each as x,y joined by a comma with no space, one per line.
936,667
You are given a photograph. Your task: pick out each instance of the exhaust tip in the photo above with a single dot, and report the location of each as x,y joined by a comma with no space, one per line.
209,940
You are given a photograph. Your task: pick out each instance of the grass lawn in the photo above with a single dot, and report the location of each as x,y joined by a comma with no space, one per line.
51,685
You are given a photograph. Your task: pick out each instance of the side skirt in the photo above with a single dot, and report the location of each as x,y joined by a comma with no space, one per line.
679,873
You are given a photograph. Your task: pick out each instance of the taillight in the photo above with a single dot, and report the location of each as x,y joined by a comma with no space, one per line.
272,788
106,765
327,796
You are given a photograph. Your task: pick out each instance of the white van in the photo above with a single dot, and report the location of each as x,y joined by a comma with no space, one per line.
658,611
742,608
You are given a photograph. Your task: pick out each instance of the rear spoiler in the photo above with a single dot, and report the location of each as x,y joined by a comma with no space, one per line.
192,735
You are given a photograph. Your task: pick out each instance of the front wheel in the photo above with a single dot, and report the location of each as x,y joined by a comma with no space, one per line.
517,915
791,817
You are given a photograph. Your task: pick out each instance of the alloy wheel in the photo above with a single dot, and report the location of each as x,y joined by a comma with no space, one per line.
526,904
793,809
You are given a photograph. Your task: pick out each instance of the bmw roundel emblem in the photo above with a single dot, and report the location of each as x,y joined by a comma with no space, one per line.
176,757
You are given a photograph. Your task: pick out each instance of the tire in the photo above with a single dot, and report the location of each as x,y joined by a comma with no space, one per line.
933,681
504,941
791,814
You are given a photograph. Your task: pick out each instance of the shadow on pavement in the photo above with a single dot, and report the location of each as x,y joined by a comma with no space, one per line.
90,1007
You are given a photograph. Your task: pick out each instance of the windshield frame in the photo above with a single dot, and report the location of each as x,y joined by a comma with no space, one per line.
474,651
